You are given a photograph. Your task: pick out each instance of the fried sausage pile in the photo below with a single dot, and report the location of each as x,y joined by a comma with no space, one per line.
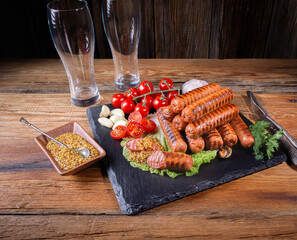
208,119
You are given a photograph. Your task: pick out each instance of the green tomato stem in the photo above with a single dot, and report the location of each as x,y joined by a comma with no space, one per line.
157,91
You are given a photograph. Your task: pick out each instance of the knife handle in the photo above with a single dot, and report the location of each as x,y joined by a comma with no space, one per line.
290,151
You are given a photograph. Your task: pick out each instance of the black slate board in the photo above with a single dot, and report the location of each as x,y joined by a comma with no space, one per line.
137,191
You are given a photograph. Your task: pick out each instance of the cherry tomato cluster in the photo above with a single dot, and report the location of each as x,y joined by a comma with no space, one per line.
149,99
136,127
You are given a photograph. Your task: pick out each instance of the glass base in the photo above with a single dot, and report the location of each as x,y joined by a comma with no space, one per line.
124,82
86,102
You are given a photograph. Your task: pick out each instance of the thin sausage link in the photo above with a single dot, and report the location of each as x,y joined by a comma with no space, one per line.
212,120
180,102
173,136
196,144
213,140
168,113
243,132
207,104
179,123
228,134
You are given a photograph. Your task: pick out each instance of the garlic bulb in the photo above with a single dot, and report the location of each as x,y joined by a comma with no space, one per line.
192,84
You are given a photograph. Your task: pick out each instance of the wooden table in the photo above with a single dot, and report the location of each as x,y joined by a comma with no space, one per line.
36,202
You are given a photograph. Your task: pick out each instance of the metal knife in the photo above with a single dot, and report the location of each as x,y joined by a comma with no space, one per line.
288,144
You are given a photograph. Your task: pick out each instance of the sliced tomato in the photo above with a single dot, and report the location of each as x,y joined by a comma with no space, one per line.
135,129
119,132
148,125
135,116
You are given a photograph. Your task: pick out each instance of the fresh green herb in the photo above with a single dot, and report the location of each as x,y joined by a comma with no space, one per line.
198,159
265,143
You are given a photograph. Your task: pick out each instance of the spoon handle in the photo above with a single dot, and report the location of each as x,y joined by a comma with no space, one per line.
37,129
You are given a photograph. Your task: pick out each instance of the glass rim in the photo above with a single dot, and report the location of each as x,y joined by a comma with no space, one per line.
67,10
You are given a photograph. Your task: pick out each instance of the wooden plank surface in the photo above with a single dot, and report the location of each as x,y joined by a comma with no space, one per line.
36,202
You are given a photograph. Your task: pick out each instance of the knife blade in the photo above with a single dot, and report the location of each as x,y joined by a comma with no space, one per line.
289,146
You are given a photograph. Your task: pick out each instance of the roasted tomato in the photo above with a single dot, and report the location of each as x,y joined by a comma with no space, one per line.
119,132
145,87
144,110
131,93
135,129
165,84
128,106
172,95
148,125
117,99
148,101
135,116
160,101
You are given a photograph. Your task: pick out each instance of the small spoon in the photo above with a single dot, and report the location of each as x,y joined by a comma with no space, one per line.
83,151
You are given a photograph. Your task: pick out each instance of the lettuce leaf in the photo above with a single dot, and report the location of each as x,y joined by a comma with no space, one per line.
198,159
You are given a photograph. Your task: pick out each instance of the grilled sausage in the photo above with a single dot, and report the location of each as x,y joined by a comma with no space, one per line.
228,135
168,113
207,104
173,161
243,132
213,140
173,136
196,144
180,102
179,123
211,120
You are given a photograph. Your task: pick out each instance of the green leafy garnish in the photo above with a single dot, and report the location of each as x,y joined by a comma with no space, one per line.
265,143
198,159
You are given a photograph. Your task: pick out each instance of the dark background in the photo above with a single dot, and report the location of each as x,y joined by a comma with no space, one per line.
170,29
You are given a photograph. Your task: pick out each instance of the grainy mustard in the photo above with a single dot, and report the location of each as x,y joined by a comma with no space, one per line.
67,158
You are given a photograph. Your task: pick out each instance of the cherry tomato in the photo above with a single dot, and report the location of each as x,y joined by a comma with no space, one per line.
148,125
119,132
145,87
148,101
135,116
128,106
172,95
135,129
131,93
160,101
144,110
117,99
165,84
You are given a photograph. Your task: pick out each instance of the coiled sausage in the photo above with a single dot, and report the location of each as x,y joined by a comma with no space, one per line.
180,102
213,140
177,162
196,144
227,133
243,132
211,120
179,123
173,136
207,104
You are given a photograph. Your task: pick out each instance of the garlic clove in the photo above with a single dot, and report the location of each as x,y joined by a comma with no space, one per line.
115,118
105,111
105,122
118,123
117,112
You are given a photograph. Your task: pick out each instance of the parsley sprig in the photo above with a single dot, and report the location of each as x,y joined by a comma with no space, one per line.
265,143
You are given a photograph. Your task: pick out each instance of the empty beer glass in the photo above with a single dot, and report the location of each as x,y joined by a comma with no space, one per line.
72,32
121,19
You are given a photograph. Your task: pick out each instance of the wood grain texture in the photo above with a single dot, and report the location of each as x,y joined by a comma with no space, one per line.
36,202
49,76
